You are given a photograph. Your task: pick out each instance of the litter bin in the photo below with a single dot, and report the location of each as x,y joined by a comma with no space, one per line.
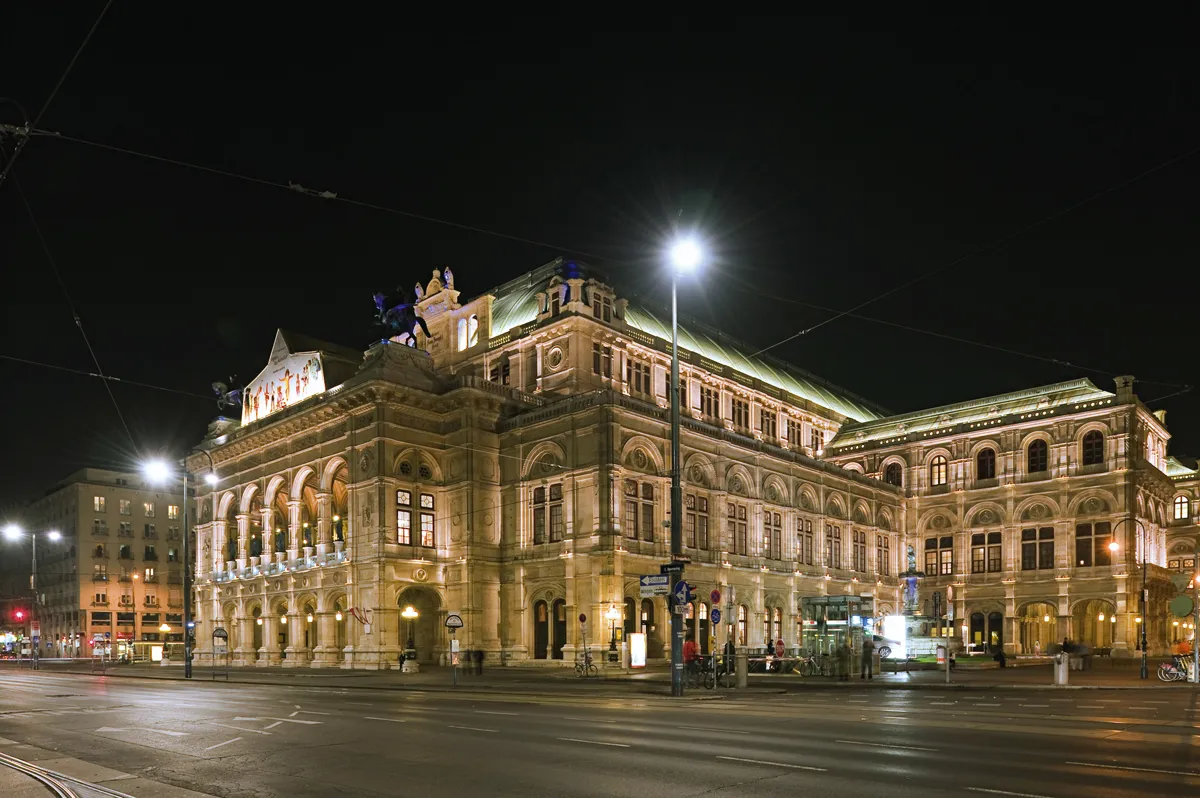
743,669
1062,663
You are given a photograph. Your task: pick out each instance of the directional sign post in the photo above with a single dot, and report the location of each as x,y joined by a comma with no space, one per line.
655,585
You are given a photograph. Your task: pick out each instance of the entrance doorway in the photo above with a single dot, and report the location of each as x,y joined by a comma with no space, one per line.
560,627
541,630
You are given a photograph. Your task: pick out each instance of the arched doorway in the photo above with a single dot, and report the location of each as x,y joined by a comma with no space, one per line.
995,631
231,534
560,627
654,643
1038,627
705,633
339,507
424,630
978,629
541,630
1093,622
257,627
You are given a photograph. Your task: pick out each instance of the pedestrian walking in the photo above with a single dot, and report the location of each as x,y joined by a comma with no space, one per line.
868,658
479,662
843,657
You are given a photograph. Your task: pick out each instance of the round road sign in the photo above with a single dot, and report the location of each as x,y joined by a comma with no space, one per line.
715,596
715,616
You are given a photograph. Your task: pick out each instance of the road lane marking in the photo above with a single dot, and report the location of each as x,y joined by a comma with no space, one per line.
472,728
594,742
389,720
218,745
711,728
488,712
1191,773
313,712
239,728
773,764
942,703
885,745
154,731
589,720
1157,702
1040,706
273,725
285,720
987,705
1089,706
1006,792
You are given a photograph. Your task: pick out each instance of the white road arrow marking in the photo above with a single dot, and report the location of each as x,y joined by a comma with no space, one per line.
286,720
155,731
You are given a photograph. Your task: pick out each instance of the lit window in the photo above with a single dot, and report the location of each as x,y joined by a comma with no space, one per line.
472,331
98,503
148,509
1183,508
126,507
404,517
938,471
427,538
172,511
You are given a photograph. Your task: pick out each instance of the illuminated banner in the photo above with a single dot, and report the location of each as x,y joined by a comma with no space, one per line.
290,378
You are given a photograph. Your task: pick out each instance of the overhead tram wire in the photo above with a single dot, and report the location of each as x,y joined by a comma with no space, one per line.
988,247
326,195
74,313
21,142
1006,350
105,377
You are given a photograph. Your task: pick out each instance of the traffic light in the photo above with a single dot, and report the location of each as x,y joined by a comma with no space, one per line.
19,615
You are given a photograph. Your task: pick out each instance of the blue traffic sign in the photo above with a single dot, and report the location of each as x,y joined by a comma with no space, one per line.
683,592
716,617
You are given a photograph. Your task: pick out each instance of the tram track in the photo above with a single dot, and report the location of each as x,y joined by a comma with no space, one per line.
59,784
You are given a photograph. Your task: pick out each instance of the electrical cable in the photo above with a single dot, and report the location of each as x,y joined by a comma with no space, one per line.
990,246
106,377
53,93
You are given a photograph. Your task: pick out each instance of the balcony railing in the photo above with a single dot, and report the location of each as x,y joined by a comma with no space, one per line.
99,577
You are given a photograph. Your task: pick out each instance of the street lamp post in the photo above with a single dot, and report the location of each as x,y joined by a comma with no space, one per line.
157,470
14,532
613,616
685,257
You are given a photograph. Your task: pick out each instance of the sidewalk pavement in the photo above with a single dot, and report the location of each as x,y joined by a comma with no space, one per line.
1107,675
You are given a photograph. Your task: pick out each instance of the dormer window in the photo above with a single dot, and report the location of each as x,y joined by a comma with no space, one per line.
602,308
468,333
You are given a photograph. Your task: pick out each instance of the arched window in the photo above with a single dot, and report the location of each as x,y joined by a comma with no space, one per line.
741,625
472,331
894,474
462,334
985,464
1038,457
1183,508
1093,448
937,471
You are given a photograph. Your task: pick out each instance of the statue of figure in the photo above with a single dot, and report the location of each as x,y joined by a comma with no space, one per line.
419,290
435,283
910,595
448,277
912,560
399,320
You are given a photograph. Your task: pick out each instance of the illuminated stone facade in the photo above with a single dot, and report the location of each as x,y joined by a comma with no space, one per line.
513,468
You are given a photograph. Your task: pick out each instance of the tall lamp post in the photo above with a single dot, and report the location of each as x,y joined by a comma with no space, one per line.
613,615
685,258
14,532
159,471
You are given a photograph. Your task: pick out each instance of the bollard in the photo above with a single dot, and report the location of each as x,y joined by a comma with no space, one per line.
743,669
1062,663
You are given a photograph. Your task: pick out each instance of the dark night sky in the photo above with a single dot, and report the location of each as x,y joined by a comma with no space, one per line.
840,159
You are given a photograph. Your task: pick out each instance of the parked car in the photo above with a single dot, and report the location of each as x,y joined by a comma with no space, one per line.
883,646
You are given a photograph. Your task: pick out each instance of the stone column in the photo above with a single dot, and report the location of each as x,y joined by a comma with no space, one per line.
296,653
218,553
243,549
325,653
324,511
245,654
268,535
269,653
293,530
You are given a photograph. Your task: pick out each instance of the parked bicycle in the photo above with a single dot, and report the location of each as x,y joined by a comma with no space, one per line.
584,667
1177,670
814,665
701,673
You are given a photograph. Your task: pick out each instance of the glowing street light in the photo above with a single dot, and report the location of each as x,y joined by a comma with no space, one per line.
410,648
613,615
686,254
13,532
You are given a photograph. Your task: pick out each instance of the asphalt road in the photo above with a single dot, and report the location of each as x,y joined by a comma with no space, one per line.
152,738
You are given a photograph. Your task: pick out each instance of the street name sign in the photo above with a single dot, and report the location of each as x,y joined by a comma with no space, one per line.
655,585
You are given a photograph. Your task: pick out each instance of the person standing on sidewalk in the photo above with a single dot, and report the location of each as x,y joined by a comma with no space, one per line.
479,662
868,658
843,658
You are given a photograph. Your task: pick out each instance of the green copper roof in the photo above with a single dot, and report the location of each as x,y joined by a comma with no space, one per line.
1081,393
515,303
1178,469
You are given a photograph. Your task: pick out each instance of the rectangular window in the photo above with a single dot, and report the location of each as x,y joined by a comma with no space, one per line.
126,507
817,439
860,551
602,359
404,517
126,529
939,556
149,553
739,413
500,373
172,511
978,553
98,503
637,376
148,509
1092,543
710,402
883,557
101,598
804,540
99,526
767,423
795,432
148,531
100,572
602,308
833,546
994,553
172,555
639,510
427,530
1037,549
696,521
738,529
548,514
772,535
